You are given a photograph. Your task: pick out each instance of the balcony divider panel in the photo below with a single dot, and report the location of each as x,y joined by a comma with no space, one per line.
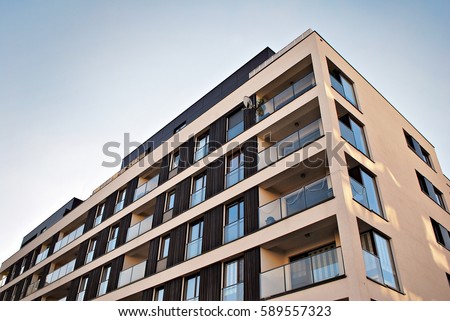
102,241
116,268
131,187
217,133
186,154
164,170
110,205
90,219
212,229
73,289
45,271
210,282
250,148
250,115
52,244
123,229
252,268
172,290
147,295
251,220
81,256
37,250
182,196
159,210
150,268
177,245
215,177
28,259
92,285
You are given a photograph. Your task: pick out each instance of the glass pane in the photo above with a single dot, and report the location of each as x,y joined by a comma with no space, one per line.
235,118
359,137
125,277
373,267
288,145
146,225
234,131
270,213
234,293
264,110
133,232
283,98
304,84
194,248
347,133
336,84
325,265
359,192
386,262
138,271
372,195
348,90
234,231
267,157
310,133
272,282
300,274
317,192
295,202
235,176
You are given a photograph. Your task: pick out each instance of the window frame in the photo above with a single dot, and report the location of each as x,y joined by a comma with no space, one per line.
164,247
168,200
197,281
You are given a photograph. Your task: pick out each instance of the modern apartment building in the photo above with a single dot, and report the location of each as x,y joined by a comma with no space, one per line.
293,179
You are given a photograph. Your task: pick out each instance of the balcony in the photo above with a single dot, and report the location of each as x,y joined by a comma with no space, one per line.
295,202
69,238
140,228
302,273
234,292
33,287
60,272
286,96
132,274
375,272
194,248
146,188
42,256
234,176
198,196
359,193
290,144
233,231
234,131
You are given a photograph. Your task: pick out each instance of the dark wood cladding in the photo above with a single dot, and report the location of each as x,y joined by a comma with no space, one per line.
186,154
172,290
102,240
147,295
212,229
123,229
150,268
251,203
159,210
81,256
26,284
73,289
182,196
177,245
250,149
44,274
92,285
19,287
252,268
116,268
110,204
215,177
210,282
164,171
90,219
52,244
131,187
29,258
249,118
217,133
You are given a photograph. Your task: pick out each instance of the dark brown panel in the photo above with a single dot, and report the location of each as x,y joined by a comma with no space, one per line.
251,203
37,250
172,290
52,244
150,269
2,295
159,210
210,282
19,286
250,149
131,187
182,196
123,229
110,204
44,273
81,256
252,268
249,118
73,289
177,245
164,172
93,282
147,295
215,177
27,283
90,219
116,268
186,155
212,229
8,294
28,260
217,133
102,240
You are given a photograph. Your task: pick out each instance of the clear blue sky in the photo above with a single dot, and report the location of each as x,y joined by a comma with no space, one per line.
76,74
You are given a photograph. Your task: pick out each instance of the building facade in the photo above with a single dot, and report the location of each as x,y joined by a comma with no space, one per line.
312,187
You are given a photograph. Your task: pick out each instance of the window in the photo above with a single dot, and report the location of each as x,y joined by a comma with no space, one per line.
430,190
194,246
112,241
235,124
235,169
198,189
364,189
175,160
234,221
159,294
201,147
90,252
353,133
419,150
165,244
22,266
441,233
106,272
180,127
170,201
99,214
378,259
342,84
192,288
233,289
120,200
82,288
448,278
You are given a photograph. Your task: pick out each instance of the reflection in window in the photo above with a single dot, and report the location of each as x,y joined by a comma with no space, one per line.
428,188
233,280
234,221
352,132
235,124
192,288
364,189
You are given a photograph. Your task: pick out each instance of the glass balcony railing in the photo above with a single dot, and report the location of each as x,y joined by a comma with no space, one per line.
59,273
42,256
98,220
194,248
234,231
80,296
3,281
111,245
89,257
33,287
234,176
198,196
233,292
140,228
359,192
146,188
193,299
69,238
132,274
295,202
373,267
200,153
337,85
290,144
103,288
234,131
119,206
345,88
286,96
302,273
